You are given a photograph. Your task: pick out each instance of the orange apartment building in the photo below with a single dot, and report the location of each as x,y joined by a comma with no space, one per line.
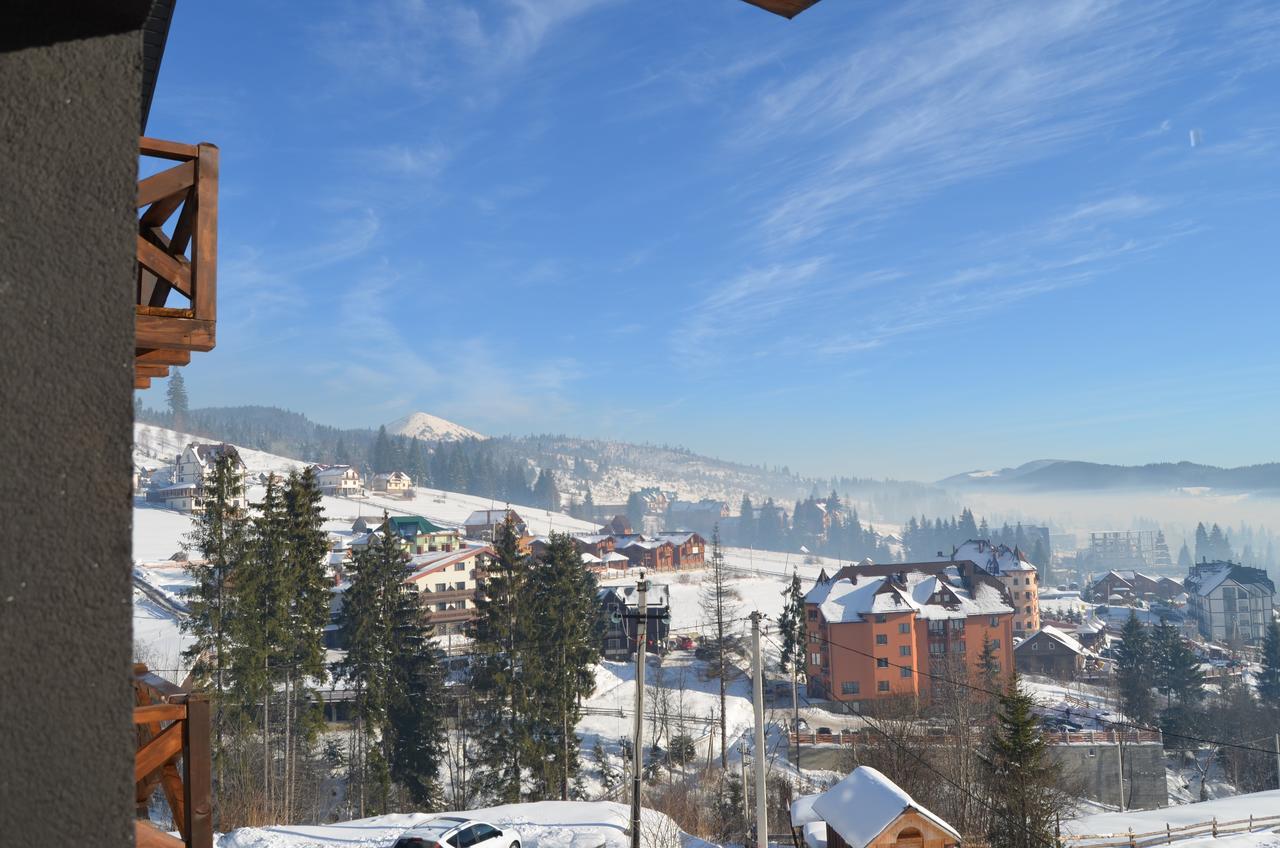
879,631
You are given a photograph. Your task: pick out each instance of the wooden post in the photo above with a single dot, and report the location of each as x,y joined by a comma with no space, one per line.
1168,834
1131,845
196,764
1215,827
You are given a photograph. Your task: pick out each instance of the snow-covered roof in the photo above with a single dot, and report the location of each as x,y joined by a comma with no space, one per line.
614,556
335,472
591,559
490,516
995,559
931,596
1062,638
424,564
802,810
865,803
658,595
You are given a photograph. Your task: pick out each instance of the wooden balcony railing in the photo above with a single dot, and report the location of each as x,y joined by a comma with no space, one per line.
173,724
177,280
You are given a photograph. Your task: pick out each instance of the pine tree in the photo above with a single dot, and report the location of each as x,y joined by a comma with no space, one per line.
989,665
220,534
368,624
636,509
1023,778
791,626
416,702
968,528
1133,671
565,627
500,648
545,493
1184,558
1269,677
176,394
746,523
307,609
1202,543
1176,667
718,599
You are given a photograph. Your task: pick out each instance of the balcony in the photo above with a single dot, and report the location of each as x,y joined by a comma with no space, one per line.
177,283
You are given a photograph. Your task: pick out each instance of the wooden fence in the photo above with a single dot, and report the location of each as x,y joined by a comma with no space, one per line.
173,725
849,736
1169,834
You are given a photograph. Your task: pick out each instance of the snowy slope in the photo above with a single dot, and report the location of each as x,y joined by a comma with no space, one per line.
1256,804
431,428
156,446
547,824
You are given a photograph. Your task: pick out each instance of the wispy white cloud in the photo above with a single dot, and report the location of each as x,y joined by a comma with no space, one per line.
929,99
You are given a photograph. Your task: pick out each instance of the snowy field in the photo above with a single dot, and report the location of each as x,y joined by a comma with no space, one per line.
548,824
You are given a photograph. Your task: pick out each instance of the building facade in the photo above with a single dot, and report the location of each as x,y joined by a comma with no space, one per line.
393,483
620,612
338,480
1015,571
881,635
1230,602
447,582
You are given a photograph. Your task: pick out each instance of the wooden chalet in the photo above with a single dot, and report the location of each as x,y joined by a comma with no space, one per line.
868,810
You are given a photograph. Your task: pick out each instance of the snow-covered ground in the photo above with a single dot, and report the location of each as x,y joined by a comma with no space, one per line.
154,447
547,824
1256,804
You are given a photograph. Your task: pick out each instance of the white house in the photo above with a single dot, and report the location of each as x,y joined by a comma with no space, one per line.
446,582
1230,602
339,480
394,483
185,490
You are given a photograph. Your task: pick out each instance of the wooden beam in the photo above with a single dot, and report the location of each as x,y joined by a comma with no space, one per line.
157,752
162,210
162,356
174,269
152,371
197,761
204,250
141,382
171,181
156,331
162,149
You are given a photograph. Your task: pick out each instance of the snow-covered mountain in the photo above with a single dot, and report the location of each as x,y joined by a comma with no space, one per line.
1049,475
431,428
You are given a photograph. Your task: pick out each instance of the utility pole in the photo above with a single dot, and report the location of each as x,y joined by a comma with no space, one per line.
637,740
1120,760
757,698
1278,759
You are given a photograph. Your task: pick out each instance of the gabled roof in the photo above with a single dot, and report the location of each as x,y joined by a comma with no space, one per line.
658,595
861,806
424,564
1048,631
334,471
939,595
415,523
207,454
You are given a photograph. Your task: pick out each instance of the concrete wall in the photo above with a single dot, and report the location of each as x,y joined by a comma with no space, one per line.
69,96
1095,770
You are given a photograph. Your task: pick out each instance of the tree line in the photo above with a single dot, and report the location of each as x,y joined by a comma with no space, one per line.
259,605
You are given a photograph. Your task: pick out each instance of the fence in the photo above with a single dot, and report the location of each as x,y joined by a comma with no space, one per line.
850,736
1169,834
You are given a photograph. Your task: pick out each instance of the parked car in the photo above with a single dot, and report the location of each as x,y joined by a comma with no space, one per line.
824,731
456,832
684,643
801,726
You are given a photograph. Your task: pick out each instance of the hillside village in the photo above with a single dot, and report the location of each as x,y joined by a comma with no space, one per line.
871,635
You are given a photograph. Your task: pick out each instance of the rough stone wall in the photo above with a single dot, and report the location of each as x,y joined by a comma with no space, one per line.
1094,771
69,104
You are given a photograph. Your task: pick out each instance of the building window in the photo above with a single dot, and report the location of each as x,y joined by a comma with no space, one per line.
882,639
937,647
958,625
904,672
882,662
813,637
1028,610
880,618
883,686
1017,625
440,587
815,659
849,687
958,647
937,626
1035,646
995,644
813,614
904,627
904,650
995,621
1028,596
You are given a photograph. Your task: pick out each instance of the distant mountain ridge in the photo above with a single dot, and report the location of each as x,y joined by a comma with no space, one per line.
1071,475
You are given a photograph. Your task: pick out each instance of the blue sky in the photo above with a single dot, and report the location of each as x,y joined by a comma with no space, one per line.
881,239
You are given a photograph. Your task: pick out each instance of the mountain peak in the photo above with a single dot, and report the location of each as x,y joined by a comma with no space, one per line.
431,428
